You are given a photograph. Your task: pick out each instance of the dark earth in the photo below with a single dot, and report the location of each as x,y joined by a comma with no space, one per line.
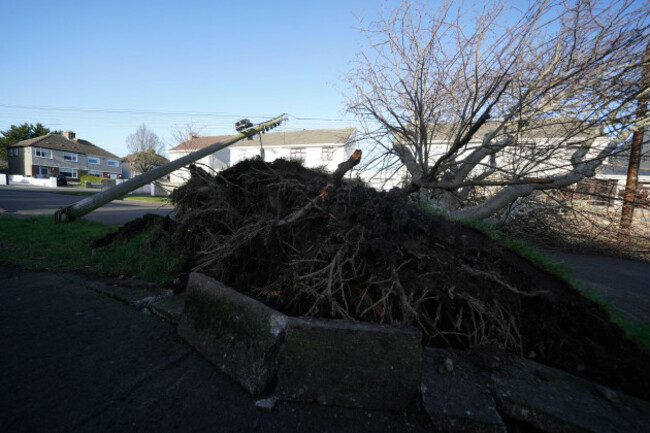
285,235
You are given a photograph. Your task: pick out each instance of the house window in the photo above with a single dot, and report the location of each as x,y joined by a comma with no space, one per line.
327,154
43,153
95,173
70,157
68,172
112,163
93,160
298,154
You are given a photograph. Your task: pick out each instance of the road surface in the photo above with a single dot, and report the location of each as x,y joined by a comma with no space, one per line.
29,201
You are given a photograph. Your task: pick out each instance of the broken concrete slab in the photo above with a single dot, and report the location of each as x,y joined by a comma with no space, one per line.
238,334
457,395
169,308
554,401
352,364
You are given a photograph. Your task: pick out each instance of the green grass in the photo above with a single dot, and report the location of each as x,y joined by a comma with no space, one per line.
147,198
637,332
40,244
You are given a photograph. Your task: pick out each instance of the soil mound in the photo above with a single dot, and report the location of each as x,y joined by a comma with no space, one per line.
274,232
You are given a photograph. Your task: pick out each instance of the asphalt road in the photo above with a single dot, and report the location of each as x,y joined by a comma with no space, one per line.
29,201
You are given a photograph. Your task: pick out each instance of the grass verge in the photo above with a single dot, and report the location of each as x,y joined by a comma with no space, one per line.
147,198
40,244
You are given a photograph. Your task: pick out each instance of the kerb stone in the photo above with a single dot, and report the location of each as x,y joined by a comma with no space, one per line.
238,334
351,364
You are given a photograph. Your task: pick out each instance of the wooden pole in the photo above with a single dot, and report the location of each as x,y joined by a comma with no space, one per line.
89,204
631,185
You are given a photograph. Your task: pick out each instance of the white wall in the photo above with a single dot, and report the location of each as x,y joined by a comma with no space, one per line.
3,179
313,153
234,154
20,179
216,161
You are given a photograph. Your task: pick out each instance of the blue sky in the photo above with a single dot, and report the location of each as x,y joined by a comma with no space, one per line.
103,68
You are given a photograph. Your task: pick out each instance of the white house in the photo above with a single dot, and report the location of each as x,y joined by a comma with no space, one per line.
315,147
613,173
549,144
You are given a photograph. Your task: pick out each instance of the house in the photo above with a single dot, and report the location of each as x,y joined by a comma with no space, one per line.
216,161
324,148
134,163
612,175
53,154
549,143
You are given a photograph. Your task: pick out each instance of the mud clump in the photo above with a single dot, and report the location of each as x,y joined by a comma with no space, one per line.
275,232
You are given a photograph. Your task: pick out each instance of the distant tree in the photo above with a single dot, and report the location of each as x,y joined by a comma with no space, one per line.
19,133
146,148
184,133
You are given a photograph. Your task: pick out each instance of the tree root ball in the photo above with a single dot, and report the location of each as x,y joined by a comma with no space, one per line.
267,230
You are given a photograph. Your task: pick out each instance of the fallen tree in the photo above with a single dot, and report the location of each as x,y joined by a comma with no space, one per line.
479,108
298,241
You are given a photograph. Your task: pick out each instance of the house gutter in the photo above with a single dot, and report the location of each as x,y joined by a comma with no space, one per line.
89,204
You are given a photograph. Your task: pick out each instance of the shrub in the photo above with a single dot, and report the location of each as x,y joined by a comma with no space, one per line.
90,178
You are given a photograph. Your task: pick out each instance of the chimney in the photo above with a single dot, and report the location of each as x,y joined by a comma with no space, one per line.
192,135
69,135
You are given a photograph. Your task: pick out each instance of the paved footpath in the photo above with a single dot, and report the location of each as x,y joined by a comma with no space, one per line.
74,360
624,283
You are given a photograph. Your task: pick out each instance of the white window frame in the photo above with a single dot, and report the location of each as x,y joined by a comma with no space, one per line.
72,157
95,173
73,172
112,163
327,153
38,152
298,153
93,158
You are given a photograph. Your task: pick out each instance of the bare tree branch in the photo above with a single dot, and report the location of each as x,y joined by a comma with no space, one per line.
472,100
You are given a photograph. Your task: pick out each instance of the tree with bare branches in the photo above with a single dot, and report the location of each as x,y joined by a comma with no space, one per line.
483,108
146,150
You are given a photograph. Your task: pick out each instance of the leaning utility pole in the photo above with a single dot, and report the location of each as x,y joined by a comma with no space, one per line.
89,204
629,196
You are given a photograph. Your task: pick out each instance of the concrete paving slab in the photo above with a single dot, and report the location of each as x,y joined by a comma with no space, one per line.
75,360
